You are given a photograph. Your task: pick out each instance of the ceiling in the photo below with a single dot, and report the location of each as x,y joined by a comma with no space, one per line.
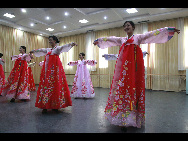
58,20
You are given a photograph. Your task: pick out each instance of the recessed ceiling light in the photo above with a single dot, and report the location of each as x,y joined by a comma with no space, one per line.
64,27
23,10
131,10
19,28
47,18
50,29
105,17
9,15
66,13
40,34
32,24
83,21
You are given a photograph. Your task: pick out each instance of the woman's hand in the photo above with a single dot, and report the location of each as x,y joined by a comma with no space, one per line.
95,42
177,30
31,55
3,61
73,44
31,52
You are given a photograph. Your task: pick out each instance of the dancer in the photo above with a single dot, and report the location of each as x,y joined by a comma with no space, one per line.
2,75
82,85
16,87
53,91
126,102
30,77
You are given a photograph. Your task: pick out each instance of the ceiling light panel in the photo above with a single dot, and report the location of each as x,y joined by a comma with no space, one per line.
9,15
131,10
50,29
83,21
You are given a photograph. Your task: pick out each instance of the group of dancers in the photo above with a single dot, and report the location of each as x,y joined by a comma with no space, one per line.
126,102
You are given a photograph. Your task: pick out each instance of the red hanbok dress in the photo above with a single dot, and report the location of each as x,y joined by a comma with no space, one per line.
53,91
2,76
126,101
30,78
17,84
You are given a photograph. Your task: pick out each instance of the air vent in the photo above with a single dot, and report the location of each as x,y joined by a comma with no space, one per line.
144,21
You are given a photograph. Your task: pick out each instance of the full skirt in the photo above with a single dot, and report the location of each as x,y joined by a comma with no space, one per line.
126,101
53,91
82,85
2,78
17,84
31,80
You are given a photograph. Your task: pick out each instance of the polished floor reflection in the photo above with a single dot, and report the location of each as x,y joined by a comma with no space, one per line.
166,112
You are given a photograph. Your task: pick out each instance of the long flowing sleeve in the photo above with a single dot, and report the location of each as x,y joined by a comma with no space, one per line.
40,52
105,42
73,63
161,35
1,61
14,57
110,56
23,57
91,62
31,64
26,57
60,49
115,56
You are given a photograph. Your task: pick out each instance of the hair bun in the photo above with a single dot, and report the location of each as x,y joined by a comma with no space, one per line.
54,38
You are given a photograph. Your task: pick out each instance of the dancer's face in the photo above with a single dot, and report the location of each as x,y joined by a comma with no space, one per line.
52,42
22,50
81,57
128,28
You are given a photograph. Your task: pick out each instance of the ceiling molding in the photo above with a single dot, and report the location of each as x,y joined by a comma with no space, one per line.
116,18
13,24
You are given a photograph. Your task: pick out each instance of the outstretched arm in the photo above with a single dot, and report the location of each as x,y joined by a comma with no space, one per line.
110,56
90,62
161,35
72,63
105,42
64,48
39,52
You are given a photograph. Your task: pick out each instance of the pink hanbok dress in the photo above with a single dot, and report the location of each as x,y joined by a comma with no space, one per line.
126,101
17,84
82,85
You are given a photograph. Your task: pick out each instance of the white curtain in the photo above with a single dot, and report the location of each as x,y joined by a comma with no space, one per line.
141,29
90,49
181,47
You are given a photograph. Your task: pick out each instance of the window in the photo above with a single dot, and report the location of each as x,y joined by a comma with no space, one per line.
102,62
186,45
144,48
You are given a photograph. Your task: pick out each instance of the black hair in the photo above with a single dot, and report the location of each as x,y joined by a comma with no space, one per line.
1,54
54,38
131,22
23,48
83,54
